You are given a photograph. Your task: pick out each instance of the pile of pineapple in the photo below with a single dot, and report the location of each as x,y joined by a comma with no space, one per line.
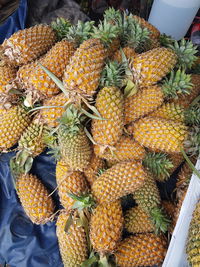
117,106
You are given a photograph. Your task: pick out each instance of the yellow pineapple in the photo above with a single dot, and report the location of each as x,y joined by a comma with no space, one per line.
138,221
120,180
55,111
128,52
150,67
72,243
141,250
55,61
106,227
7,74
159,134
35,199
125,149
69,182
193,246
28,44
96,164
13,123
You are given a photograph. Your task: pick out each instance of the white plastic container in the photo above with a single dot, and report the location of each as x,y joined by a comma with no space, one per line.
176,255
173,17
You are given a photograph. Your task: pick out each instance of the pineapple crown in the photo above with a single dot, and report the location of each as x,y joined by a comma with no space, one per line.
106,32
160,220
133,34
192,114
158,164
51,140
192,144
80,32
72,120
61,27
21,163
113,16
177,83
113,74
82,202
185,50
166,40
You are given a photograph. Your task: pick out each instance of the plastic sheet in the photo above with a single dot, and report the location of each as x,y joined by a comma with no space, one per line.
14,22
23,243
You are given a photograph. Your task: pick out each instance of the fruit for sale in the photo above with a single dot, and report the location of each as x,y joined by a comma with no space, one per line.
35,199
7,74
120,180
148,198
159,134
68,181
13,123
109,103
141,250
96,164
28,44
74,144
106,227
193,247
138,221
72,243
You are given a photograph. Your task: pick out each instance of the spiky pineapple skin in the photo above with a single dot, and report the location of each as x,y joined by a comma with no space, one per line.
186,100
121,179
128,52
143,102
138,221
125,149
81,76
13,122
109,103
150,67
35,199
69,182
159,134
32,139
141,250
106,226
7,74
193,246
96,164
28,44
75,149
170,111
72,244
51,115
55,61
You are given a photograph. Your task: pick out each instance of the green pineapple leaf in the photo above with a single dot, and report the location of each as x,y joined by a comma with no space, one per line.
82,202
192,114
196,172
61,26
160,220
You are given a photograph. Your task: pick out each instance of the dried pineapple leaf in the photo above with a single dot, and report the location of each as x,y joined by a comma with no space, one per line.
68,224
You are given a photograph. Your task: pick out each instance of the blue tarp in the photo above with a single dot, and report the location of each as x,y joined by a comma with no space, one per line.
14,22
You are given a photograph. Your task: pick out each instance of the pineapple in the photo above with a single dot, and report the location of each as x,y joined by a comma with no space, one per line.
7,74
28,44
120,180
128,52
148,99
148,198
125,149
150,67
106,227
35,199
69,182
141,250
74,144
138,221
55,61
13,123
72,243
170,209
193,246
82,76
159,134
54,109
109,103
96,164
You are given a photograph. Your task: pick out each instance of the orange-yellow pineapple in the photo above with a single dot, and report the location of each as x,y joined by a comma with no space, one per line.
106,226
141,250
35,198
120,180
128,52
28,44
72,243
7,74
69,182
